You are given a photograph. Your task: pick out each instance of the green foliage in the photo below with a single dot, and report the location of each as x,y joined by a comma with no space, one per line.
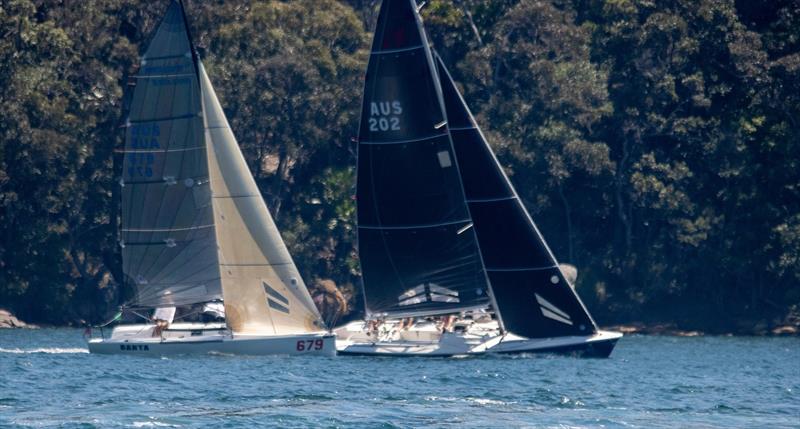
655,143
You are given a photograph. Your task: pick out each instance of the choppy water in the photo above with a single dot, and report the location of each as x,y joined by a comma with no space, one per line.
47,379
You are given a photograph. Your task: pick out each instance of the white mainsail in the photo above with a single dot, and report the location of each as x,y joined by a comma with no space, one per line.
261,286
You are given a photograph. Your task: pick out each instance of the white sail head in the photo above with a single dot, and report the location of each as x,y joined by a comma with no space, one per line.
261,286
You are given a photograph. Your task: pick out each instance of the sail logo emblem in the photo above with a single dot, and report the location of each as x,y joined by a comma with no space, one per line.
275,299
385,115
428,292
550,311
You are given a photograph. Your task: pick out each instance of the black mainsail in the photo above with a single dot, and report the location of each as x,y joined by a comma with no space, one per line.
169,248
532,297
418,250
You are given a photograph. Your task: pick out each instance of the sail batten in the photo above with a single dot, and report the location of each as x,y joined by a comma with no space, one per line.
168,229
491,269
235,196
161,150
396,51
415,140
145,58
423,226
156,76
159,181
491,200
163,119
271,264
410,204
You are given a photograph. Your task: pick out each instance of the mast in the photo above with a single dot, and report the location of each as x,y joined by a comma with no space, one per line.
530,293
188,29
419,253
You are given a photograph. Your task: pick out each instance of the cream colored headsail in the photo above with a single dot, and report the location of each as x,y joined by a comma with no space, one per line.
261,287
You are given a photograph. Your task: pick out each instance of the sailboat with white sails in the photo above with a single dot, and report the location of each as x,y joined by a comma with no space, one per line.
441,229
196,232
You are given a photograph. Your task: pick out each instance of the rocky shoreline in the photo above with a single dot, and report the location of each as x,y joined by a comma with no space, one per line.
670,329
8,320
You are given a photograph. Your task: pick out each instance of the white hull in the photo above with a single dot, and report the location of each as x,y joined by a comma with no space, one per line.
424,339
205,339
478,339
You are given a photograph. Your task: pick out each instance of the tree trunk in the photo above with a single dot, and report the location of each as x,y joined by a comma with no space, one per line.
468,14
278,184
568,215
619,184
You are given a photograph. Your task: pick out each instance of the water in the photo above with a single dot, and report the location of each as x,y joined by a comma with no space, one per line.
47,379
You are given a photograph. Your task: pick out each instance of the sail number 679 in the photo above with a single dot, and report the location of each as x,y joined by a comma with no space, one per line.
308,345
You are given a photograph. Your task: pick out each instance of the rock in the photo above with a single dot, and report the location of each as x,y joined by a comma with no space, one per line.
570,273
7,320
668,329
627,329
329,299
785,330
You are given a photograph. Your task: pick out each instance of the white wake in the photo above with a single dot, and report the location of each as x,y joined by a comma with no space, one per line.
47,350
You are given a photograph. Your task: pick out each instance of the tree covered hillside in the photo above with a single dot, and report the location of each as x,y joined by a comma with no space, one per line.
655,142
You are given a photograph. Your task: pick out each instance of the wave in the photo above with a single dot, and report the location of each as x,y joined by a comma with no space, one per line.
470,399
151,424
47,350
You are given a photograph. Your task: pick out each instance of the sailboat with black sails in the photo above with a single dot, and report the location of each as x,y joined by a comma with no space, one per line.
441,229
196,232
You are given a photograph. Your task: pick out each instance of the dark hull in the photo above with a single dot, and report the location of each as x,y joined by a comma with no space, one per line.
596,349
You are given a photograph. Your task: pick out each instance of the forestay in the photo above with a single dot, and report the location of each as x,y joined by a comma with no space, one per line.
169,249
262,288
418,252
531,294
